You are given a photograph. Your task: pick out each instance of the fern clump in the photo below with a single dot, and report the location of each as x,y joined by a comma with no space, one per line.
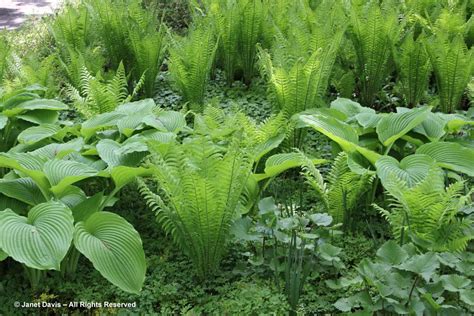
374,31
199,185
415,69
340,194
453,65
428,213
95,96
190,64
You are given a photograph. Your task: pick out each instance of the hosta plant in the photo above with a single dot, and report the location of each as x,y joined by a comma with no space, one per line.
199,187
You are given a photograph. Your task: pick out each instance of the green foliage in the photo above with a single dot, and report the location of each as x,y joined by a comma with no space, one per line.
415,69
374,32
402,281
94,96
191,60
199,189
453,67
422,209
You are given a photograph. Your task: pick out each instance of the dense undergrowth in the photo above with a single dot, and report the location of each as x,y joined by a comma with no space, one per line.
239,157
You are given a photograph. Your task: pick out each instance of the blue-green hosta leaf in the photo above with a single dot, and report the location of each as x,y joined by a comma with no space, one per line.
411,169
115,154
3,121
350,108
341,133
114,248
27,165
450,156
279,163
424,265
467,296
392,253
240,229
161,137
166,121
395,125
321,219
62,173
99,122
454,122
37,104
72,196
52,151
433,127
369,120
130,123
87,207
22,189
39,117
37,133
41,240
145,106
122,175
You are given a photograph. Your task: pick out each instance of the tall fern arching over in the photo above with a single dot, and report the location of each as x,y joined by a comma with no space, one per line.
453,67
199,185
190,63
415,69
373,31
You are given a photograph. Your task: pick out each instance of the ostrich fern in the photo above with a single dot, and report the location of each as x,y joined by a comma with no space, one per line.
94,96
341,192
415,69
428,213
199,187
453,67
373,33
190,64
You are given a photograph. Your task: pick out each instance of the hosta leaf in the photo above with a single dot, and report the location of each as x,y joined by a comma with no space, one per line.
467,296
22,189
321,219
450,156
28,165
432,127
98,122
349,107
87,207
166,121
42,239
39,117
115,154
114,248
341,133
59,151
392,253
394,125
36,104
62,173
3,255
279,163
72,196
411,169
264,148
123,175
36,133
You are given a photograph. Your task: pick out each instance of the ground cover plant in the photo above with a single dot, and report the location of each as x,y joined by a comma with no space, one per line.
238,157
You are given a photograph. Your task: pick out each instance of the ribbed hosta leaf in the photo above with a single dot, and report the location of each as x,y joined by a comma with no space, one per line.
28,164
411,170
62,173
38,104
39,117
52,151
350,108
167,121
279,163
3,255
394,125
42,239
123,175
450,156
114,248
115,154
22,189
341,133
37,133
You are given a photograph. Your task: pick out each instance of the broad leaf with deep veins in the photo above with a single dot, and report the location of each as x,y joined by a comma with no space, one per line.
115,249
40,240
